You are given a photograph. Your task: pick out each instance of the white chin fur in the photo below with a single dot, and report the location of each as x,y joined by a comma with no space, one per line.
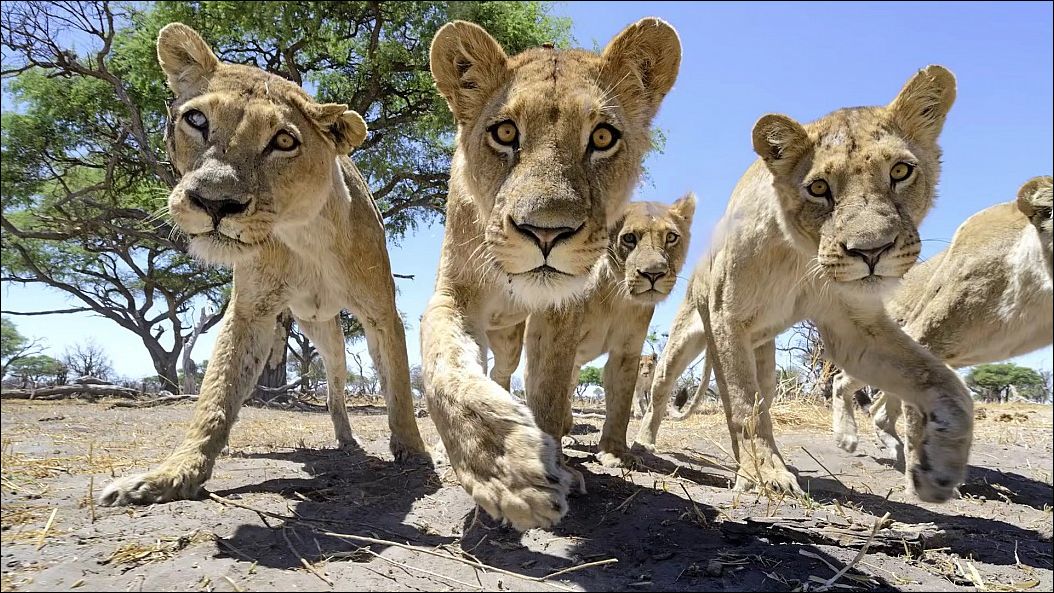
881,287
216,252
536,292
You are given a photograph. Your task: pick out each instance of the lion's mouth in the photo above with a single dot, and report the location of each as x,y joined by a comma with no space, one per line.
545,270
221,239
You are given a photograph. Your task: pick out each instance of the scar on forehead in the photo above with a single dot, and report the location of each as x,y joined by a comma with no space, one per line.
835,139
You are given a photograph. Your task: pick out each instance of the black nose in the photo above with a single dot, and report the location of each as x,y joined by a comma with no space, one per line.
216,209
652,276
546,237
870,255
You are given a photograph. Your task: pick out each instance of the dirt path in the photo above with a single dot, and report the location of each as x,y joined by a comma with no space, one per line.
672,526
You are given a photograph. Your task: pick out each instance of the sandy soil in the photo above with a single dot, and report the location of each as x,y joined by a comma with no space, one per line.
673,525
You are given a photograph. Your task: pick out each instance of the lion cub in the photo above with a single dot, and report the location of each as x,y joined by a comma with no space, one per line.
818,228
985,298
645,255
267,187
548,151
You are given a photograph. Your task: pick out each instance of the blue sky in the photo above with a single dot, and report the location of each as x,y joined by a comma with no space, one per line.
739,62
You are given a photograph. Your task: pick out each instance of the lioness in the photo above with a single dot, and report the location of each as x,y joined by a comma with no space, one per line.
548,150
985,298
818,227
645,255
267,187
642,390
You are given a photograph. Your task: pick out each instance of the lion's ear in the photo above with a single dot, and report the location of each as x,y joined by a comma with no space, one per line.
468,65
780,142
1035,194
641,64
685,207
185,58
345,127
923,104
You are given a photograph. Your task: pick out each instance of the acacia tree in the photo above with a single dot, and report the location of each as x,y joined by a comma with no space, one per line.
87,359
998,381
586,377
85,175
14,346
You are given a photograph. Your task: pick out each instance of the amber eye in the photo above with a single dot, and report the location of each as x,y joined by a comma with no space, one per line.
284,141
505,133
900,171
629,240
197,120
672,238
603,137
819,189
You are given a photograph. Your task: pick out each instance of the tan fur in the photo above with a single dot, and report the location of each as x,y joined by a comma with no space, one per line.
984,299
491,273
307,236
617,312
784,255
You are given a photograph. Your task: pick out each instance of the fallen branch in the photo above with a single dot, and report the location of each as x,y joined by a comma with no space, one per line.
859,555
168,399
66,391
891,536
279,390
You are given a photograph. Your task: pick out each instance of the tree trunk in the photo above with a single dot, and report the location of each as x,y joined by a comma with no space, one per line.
274,373
167,373
190,368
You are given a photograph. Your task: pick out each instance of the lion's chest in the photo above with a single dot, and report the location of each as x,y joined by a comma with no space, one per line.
316,288
610,324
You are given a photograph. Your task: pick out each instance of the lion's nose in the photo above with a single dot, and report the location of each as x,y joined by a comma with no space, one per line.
216,209
546,237
652,275
870,255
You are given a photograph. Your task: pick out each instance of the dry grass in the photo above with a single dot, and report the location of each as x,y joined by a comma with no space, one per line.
17,520
135,554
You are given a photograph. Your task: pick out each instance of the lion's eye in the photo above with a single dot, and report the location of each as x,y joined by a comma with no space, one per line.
900,172
672,238
629,239
604,137
196,120
505,133
818,189
284,141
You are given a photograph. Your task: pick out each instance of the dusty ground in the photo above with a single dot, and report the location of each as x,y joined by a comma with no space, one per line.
672,526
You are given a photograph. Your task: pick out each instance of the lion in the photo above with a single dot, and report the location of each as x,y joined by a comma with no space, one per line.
986,298
646,252
548,150
820,227
266,187
642,390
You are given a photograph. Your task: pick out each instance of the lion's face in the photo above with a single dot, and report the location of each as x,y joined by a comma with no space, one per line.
550,144
647,365
650,246
854,185
256,155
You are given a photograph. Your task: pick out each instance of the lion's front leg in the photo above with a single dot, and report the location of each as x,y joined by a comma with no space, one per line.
236,361
386,339
876,350
551,341
746,379
620,374
843,418
506,344
885,411
328,338
509,467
